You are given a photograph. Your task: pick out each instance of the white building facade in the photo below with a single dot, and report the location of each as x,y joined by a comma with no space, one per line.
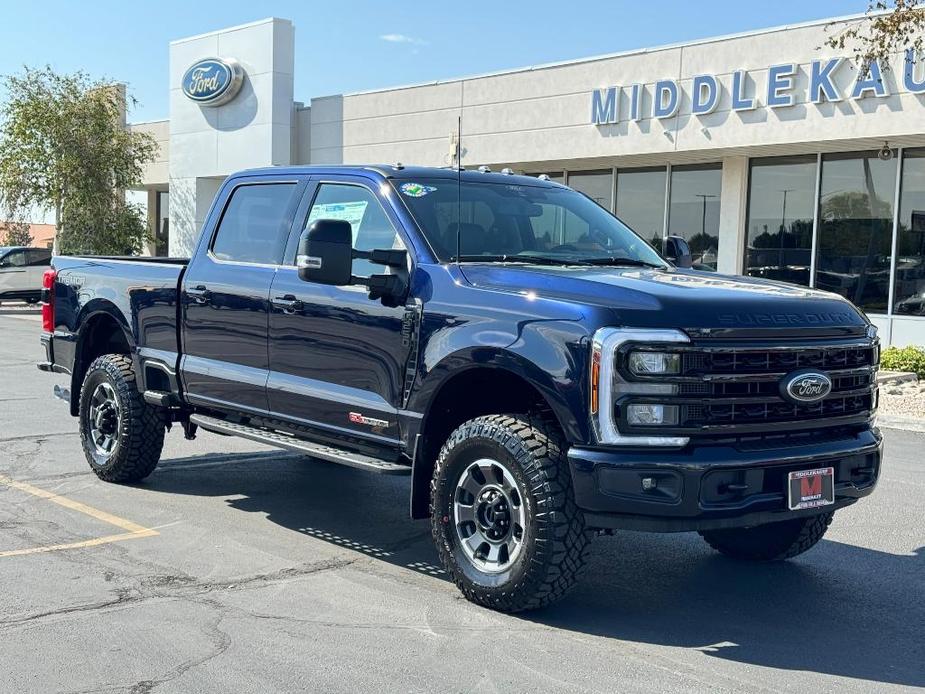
771,156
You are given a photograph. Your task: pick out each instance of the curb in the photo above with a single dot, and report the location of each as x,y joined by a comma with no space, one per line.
896,377
903,423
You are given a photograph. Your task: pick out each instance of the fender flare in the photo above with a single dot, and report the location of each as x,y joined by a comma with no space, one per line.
89,315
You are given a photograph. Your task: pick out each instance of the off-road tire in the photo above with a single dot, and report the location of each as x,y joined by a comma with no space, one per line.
557,542
771,542
140,435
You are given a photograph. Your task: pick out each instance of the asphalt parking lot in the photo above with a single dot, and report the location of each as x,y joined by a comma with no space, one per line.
236,567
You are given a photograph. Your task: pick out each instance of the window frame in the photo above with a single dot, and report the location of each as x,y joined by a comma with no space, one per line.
309,197
289,218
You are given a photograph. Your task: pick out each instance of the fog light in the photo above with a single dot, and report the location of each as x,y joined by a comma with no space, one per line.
652,415
654,363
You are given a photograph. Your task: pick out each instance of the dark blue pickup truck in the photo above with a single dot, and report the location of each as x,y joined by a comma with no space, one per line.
538,370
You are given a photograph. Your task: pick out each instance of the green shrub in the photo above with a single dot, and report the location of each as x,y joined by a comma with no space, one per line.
904,359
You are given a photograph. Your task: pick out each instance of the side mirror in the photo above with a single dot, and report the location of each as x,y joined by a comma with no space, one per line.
678,252
325,253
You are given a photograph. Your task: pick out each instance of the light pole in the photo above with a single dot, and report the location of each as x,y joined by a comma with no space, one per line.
783,226
703,215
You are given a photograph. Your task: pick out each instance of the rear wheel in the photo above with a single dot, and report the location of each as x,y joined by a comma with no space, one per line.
503,516
122,436
771,542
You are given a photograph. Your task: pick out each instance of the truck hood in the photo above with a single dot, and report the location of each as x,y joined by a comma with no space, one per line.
644,297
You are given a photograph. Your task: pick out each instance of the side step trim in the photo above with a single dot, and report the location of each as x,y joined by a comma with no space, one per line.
315,450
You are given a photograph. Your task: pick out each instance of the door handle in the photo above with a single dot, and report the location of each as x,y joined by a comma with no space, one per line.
199,294
289,304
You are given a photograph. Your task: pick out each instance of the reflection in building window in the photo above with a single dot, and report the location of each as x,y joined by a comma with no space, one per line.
641,202
162,220
856,228
694,211
909,288
597,185
779,230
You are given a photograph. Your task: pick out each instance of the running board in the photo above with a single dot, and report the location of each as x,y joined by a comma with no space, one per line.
315,450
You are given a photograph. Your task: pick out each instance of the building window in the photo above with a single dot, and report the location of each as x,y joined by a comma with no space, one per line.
856,228
597,185
779,227
694,211
909,288
641,202
162,222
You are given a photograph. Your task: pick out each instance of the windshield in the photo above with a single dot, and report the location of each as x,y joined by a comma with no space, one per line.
520,223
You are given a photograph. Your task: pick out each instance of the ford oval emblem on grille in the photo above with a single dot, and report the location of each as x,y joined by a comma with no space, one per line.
805,386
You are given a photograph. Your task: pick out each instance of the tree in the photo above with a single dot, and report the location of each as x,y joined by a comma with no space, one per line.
15,234
888,26
64,147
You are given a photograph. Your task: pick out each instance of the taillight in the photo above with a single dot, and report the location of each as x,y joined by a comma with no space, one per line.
48,300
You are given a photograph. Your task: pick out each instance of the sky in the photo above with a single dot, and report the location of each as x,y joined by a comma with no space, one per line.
347,45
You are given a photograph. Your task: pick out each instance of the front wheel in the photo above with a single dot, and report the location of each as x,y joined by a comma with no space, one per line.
122,436
771,542
503,515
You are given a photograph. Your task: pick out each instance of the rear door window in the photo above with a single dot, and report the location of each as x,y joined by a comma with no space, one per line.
36,257
255,225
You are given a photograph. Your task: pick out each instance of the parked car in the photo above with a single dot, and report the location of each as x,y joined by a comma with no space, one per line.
534,366
21,271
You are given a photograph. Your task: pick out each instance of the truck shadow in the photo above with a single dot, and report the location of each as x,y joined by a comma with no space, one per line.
839,610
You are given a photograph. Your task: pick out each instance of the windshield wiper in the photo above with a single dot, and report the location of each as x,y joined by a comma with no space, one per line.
617,262
553,260
519,258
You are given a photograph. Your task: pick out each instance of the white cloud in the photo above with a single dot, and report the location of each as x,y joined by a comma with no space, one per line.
401,38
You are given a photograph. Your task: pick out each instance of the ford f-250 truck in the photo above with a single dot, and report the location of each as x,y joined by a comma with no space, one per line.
539,371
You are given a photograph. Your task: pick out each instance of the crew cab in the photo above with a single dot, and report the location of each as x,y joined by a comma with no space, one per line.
536,368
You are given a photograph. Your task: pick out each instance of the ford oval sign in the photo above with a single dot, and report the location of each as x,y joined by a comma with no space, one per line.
806,386
213,81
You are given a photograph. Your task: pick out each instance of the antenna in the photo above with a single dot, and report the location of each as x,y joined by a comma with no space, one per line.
458,183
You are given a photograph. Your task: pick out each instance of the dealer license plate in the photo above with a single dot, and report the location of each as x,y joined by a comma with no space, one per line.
811,488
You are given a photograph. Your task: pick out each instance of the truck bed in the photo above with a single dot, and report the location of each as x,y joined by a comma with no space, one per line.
139,294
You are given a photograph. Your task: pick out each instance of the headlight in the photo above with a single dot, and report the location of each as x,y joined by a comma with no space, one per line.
654,363
607,386
652,415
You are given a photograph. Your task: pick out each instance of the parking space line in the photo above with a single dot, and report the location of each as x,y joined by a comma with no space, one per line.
132,530
77,545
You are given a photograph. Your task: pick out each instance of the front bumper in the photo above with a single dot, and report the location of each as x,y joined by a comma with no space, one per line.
715,486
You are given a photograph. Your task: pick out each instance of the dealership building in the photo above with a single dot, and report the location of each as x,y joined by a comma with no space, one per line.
773,155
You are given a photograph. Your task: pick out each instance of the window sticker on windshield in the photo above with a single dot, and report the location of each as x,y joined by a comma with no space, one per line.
415,190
